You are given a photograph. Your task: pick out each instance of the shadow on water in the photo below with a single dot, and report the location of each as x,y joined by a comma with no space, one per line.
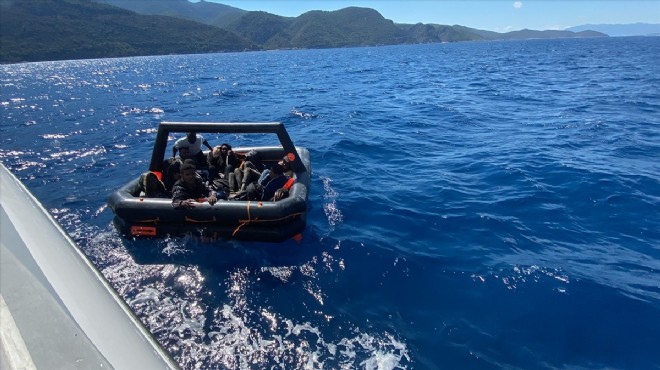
220,255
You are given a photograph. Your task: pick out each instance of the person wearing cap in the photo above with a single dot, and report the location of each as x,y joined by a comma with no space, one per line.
190,187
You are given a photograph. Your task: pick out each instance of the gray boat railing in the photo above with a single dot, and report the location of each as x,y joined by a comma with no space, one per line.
58,309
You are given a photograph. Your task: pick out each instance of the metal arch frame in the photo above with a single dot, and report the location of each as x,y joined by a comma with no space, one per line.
278,128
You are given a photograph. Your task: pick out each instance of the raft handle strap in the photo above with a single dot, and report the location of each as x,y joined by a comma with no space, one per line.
155,220
188,219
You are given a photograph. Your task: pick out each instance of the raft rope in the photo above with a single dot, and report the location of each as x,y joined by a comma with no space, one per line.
250,220
243,222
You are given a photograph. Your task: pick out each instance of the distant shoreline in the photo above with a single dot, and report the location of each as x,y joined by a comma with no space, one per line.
61,30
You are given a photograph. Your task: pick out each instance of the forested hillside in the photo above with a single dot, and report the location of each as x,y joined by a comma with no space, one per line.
259,26
345,27
35,30
209,13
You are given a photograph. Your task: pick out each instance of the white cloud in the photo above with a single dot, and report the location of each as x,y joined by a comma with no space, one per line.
517,4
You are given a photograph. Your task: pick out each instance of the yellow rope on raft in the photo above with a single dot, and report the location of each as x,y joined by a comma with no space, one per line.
274,219
250,220
243,223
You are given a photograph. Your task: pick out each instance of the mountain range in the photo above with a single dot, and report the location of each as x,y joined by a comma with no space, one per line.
37,30
635,29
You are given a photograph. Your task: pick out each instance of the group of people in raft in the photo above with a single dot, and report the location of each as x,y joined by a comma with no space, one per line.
220,174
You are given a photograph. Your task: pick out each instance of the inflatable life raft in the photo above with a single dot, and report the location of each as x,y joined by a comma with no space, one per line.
265,221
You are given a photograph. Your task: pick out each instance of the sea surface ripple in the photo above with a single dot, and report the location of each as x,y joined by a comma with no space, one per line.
473,205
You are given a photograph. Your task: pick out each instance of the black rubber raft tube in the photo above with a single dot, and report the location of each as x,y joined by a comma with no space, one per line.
227,219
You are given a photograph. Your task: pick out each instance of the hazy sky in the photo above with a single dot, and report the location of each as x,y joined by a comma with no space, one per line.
493,15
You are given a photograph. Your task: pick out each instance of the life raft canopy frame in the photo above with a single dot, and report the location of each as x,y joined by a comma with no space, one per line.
165,128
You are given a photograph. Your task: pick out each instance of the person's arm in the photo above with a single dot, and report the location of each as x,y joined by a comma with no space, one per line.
179,200
174,149
183,204
213,198
211,195
207,144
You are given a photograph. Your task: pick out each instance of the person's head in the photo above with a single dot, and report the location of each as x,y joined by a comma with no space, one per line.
286,163
252,156
224,150
188,173
175,168
217,150
184,153
192,136
152,185
276,170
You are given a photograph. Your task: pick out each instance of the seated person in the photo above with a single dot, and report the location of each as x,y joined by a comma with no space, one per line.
151,186
222,161
248,172
172,172
201,164
191,187
276,181
284,162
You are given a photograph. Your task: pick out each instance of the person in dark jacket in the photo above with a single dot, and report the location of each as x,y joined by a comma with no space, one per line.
200,162
151,186
222,161
285,162
172,172
190,187
276,180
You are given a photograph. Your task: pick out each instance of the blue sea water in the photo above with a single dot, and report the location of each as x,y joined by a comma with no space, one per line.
473,205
